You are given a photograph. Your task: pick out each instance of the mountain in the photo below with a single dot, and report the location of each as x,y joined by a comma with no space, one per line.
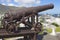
56,15
4,8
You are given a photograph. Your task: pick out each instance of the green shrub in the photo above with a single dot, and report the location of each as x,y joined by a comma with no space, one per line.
55,24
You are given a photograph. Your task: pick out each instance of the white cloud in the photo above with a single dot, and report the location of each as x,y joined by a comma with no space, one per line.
11,4
3,3
27,3
20,3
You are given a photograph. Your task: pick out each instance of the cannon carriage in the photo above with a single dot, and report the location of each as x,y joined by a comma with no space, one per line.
27,16
11,20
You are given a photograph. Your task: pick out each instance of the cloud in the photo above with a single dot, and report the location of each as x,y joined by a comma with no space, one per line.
20,3
3,3
7,2
11,4
27,3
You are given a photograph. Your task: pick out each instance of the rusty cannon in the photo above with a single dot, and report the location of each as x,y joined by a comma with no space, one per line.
27,11
11,19
28,17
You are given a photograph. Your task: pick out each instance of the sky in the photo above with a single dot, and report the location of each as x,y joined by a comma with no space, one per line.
30,3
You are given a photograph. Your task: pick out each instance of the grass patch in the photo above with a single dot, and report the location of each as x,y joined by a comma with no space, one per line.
49,30
40,33
57,29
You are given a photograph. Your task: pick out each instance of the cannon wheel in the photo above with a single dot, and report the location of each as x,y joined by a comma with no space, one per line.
4,24
10,28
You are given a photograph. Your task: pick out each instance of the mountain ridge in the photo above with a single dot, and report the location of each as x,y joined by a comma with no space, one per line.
4,9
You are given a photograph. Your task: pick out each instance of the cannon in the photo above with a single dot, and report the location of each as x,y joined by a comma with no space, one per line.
27,11
11,19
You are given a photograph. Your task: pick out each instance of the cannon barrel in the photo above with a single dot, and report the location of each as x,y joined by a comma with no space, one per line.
27,11
45,7
38,9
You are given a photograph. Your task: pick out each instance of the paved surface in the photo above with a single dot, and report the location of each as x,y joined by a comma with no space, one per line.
50,37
